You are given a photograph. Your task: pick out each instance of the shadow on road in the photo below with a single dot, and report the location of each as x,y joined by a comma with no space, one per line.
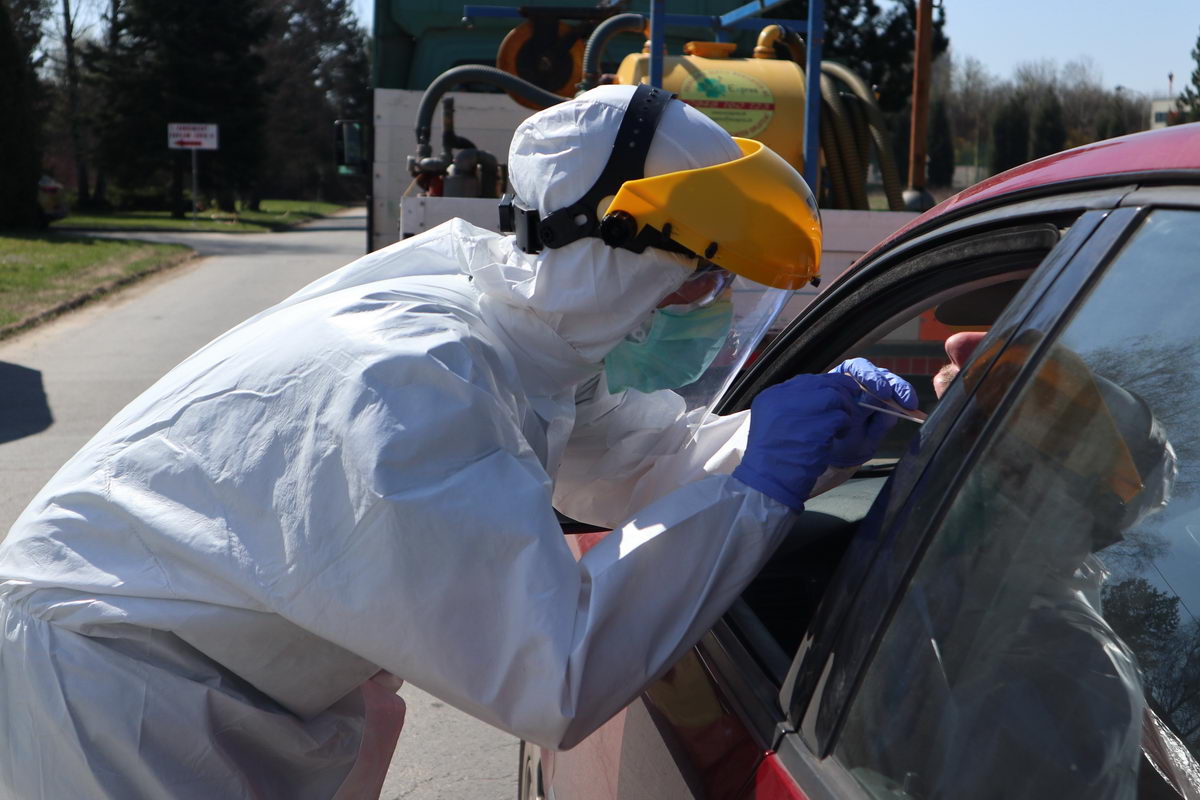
23,407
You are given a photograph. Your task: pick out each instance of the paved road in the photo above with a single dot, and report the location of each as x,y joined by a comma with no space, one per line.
63,381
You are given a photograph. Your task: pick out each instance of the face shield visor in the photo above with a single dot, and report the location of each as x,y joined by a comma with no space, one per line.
754,225
698,339
753,216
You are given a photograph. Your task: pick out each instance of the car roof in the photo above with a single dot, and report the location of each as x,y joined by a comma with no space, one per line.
1172,149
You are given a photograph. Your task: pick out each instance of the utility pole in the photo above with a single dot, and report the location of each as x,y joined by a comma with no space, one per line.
916,197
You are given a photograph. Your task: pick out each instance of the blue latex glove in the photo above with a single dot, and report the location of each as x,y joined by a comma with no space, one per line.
793,426
861,437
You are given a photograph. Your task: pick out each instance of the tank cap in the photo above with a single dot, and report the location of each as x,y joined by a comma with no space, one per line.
710,49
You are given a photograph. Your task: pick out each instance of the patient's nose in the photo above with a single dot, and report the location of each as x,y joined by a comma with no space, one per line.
960,346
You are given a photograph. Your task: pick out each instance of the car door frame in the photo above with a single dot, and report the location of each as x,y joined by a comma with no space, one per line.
801,744
970,432
806,746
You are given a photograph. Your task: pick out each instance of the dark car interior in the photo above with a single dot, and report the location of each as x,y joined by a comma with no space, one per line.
776,609
786,593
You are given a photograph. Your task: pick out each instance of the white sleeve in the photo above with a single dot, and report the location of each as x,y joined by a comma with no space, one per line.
446,566
483,605
629,449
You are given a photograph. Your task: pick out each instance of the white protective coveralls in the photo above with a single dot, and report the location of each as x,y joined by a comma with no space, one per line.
362,479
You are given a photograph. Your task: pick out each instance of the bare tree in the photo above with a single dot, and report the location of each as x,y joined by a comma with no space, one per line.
1036,78
1083,95
18,133
111,40
73,122
971,95
1068,105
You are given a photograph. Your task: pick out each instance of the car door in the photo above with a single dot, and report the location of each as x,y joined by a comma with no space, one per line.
711,727
1015,615
962,278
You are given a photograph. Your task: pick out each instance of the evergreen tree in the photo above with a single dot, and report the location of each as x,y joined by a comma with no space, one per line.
1121,115
1189,98
316,72
19,168
180,61
878,45
27,19
1049,131
891,57
1010,134
941,146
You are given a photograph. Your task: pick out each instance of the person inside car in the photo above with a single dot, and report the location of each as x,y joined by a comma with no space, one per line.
1038,695
216,596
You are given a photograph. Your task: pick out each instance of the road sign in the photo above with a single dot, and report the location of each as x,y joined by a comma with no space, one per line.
191,136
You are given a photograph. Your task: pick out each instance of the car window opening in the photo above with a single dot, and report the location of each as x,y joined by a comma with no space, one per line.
781,601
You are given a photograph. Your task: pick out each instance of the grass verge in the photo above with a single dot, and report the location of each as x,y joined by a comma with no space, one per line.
44,274
273,215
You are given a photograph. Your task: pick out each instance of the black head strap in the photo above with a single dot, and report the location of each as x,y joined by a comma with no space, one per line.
626,162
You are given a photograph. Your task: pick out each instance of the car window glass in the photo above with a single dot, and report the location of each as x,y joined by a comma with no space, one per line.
1050,635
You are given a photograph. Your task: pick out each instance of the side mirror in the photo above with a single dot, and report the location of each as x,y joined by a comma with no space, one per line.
349,147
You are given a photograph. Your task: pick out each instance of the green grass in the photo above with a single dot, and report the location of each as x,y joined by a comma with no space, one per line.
274,215
311,208
40,272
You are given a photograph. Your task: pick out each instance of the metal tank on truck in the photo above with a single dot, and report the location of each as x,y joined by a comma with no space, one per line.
763,97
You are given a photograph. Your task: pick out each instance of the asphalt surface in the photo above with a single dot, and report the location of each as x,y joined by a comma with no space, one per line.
64,380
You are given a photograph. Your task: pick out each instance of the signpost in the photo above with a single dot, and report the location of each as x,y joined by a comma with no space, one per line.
192,136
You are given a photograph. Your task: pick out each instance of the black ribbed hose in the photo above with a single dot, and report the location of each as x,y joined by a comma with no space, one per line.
878,131
605,31
466,73
847,147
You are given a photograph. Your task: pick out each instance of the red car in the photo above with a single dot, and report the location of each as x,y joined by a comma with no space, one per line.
1006,602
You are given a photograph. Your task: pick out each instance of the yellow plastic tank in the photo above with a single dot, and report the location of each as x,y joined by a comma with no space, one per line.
755,98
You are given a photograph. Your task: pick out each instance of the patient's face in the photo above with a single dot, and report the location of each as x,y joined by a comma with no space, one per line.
959,348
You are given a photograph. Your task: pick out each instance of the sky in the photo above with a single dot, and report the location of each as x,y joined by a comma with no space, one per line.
1133,44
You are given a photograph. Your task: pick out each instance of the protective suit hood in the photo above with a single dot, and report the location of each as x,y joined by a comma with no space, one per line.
592,294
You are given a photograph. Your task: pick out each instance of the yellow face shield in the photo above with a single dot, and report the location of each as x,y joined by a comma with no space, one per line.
754,216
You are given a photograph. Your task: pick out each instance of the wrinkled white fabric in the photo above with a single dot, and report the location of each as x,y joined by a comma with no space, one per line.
627,448
685,139
361,479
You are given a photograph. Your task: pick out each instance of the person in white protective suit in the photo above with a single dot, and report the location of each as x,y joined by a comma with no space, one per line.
219,594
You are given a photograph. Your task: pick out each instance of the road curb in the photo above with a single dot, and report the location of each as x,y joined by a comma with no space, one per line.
70,304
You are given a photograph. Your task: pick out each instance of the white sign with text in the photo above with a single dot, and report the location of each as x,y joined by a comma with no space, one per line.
191,136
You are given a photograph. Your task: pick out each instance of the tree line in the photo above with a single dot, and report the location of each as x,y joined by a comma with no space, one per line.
90,103
976,118
1042,109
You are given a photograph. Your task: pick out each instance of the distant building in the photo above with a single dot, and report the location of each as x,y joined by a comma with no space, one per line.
1161,109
